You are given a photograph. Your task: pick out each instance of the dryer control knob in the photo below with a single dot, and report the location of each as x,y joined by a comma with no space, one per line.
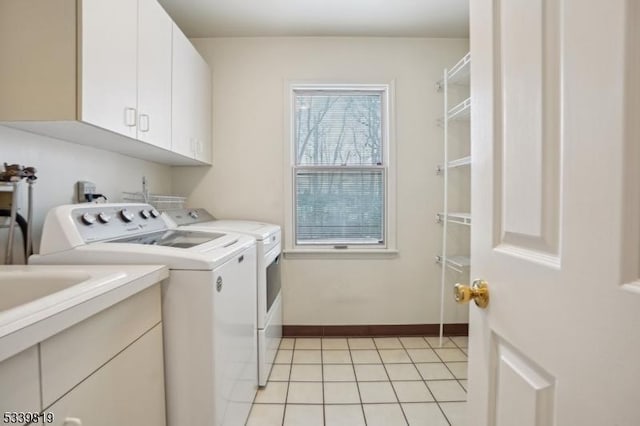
103,217
193,214
126,215
155,213
88,219
145,214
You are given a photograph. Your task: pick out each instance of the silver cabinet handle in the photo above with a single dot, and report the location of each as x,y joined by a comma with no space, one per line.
193,146
144,122
72,421
130,117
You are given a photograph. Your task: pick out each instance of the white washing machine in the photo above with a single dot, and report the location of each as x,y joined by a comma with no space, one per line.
208,301
269,302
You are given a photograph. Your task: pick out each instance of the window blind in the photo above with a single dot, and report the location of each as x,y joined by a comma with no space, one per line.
340,207
339,170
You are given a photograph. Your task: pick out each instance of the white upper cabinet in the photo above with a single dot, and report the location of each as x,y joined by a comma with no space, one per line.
203,114
154,74
100,73
108,64
191,100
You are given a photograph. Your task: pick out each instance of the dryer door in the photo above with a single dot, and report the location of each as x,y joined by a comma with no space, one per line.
273,281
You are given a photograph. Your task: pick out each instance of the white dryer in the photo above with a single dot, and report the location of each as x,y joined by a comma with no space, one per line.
209,300
269,301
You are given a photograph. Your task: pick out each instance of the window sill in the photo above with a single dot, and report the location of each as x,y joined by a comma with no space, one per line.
340,254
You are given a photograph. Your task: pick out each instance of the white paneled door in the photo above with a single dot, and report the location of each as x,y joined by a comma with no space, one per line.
556,190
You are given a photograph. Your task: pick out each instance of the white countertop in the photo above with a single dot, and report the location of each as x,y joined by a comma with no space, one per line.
36,303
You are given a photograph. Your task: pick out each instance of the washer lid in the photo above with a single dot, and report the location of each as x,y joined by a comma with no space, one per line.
175,238
200,257
258,230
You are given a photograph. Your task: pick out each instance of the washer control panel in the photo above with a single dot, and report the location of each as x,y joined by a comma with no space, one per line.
107,221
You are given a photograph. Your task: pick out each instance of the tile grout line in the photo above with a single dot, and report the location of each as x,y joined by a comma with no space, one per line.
384,366
324,413
465,351
423,379
353,367
448,369
253,403
286,396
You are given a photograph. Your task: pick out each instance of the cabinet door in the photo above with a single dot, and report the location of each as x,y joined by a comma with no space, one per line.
203,111
127,391
20,383
184,89
108,64
191,100
154,74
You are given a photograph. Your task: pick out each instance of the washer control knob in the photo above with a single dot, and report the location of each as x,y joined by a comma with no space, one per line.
126,215
103,217
88,219
154,213
145,214
193,214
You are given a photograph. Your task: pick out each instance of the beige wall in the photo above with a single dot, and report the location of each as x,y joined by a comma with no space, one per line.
246,180
61,164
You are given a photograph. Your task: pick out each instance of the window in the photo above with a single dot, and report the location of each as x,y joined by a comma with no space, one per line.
340,167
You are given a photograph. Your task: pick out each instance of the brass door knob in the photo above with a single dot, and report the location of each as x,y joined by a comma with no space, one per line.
479,292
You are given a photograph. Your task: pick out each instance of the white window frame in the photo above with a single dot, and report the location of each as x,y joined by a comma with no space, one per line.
388,249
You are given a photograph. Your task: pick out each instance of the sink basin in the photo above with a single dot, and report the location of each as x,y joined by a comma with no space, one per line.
38,301
22,286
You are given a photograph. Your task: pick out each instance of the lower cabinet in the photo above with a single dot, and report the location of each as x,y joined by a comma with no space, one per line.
19,384
106,370
126,391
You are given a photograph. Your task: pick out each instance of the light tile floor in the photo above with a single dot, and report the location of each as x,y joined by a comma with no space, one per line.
390,381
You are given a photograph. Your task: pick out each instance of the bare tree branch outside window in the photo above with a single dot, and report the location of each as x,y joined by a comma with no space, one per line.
339,183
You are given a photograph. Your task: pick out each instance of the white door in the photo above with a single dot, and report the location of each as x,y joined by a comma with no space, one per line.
556,233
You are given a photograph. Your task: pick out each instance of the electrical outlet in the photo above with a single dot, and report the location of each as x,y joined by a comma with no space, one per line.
85,189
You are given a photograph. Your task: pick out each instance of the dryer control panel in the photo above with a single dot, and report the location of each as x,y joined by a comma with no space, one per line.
189,216
99,222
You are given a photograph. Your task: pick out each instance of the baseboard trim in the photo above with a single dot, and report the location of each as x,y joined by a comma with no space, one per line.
374,330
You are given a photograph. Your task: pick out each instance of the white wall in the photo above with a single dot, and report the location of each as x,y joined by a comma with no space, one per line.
246,180
61,164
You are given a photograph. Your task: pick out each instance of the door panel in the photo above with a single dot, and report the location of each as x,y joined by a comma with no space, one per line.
524,393
555,202
631,243
527,126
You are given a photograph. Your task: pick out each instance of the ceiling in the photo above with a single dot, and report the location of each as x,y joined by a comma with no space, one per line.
372,18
